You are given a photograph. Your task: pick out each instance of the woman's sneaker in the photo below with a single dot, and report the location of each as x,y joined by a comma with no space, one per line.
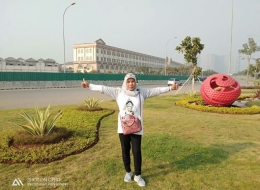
140,181
128,177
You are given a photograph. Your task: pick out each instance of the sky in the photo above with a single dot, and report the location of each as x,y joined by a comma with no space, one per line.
34,28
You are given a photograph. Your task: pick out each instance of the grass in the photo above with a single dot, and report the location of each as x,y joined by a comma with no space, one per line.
182,149
251,103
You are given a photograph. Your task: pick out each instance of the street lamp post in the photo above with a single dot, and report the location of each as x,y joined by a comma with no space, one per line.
166,54
64,36
231,32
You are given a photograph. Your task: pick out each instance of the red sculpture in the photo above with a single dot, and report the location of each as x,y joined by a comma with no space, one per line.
220,90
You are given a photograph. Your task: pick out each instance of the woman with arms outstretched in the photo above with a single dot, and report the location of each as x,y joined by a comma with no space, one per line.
130,99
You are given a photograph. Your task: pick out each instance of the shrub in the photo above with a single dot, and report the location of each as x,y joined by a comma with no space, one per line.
250,87
257,94
92,103
42,124
58,134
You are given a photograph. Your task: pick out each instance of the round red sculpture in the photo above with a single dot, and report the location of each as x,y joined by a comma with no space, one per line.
220,90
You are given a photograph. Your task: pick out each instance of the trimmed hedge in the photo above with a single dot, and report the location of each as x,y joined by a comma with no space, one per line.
197,103
83,125
250,87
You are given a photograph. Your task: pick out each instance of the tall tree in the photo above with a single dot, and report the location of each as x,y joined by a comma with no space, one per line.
191,47
255,69
248,49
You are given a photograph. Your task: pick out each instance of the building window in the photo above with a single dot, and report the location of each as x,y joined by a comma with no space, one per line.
97,58
97,50
90,50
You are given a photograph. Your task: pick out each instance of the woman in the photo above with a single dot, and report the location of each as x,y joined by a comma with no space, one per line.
130,93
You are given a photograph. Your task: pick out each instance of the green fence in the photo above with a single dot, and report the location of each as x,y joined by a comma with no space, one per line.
42,76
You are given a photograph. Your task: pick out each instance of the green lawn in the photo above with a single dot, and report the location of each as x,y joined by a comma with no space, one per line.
182,149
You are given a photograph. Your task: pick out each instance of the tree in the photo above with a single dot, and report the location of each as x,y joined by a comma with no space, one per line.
257,68
143,69
191,47
248,49
254,70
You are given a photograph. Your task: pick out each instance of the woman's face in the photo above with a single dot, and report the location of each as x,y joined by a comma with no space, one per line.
130,84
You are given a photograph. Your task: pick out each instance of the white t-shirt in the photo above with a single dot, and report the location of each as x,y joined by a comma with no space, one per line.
129,104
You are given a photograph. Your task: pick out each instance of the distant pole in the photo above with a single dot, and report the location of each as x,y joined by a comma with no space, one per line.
64,37
166,55
230,52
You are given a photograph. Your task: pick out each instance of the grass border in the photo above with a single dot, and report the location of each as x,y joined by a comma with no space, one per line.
53,152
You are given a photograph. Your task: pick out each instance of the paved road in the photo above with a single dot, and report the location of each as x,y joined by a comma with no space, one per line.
29,98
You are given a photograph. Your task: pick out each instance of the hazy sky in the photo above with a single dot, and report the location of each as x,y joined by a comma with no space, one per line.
34,28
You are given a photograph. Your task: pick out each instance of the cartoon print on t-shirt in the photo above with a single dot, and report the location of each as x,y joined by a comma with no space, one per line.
129,107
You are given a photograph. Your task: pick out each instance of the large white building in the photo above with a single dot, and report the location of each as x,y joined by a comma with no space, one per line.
98,56
11,64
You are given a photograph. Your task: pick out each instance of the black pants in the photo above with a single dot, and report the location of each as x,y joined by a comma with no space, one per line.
126,142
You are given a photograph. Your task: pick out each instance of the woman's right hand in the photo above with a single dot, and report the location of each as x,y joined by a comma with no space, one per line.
175,86
84,84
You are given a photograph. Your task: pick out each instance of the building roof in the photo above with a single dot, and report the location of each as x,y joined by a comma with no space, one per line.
10,59
50,61
31,60
20,59
100,41
41,60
